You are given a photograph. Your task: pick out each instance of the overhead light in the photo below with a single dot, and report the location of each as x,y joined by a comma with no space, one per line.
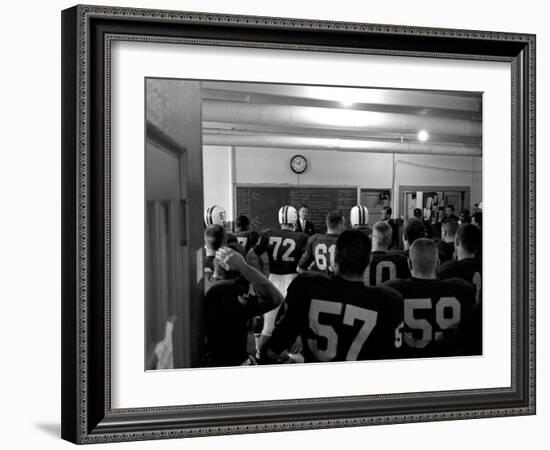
423,135
347,103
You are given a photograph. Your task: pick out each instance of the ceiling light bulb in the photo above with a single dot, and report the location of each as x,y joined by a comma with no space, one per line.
423,135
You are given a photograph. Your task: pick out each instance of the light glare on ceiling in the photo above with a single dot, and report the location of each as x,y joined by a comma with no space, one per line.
423,135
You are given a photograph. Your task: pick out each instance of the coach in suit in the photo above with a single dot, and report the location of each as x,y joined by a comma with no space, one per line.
303,225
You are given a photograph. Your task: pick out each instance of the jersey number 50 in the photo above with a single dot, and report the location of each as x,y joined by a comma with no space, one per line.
351,314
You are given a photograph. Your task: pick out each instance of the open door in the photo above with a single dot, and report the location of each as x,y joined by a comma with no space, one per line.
173,239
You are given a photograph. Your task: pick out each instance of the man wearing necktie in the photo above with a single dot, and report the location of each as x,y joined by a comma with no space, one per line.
303,225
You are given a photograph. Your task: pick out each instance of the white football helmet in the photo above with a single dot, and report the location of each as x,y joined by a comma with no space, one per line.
359,215
215,215
288,215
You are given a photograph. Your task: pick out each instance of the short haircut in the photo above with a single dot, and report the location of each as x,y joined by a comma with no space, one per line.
477,217
451,207
387,209
242,222
214,236
352,252
334,219
417,212
424,256
450,226
414,229
382,233
303,206
469,237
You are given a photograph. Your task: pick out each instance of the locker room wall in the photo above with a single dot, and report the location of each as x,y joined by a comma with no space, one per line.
366,170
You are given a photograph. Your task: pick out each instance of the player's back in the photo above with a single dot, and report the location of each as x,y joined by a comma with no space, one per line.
319,254
468,269
385,266
434,312
339,320
446,251
247,239
284,249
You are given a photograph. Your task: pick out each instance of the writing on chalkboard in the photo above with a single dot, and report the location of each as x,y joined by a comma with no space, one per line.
261,203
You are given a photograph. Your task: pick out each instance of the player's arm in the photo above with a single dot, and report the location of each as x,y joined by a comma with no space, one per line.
307,257
288,328
268,295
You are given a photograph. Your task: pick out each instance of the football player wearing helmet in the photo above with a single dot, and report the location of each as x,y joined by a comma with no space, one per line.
320,249
337,317
283,247
435,312
384,265
216,215
229,304
359,219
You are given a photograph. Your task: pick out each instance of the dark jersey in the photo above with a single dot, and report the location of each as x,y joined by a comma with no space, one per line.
247,239
284,249
319,254
468,269
434,313
228,307
338,320
386,266
446,251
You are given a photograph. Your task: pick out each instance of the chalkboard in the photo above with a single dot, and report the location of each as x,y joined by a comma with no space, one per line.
261,203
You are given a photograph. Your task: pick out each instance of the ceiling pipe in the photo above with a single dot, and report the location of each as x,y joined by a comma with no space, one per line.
331,118
345,145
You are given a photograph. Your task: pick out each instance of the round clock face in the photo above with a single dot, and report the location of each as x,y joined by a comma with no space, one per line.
298,164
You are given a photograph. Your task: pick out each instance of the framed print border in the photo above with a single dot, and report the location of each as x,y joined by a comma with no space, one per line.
87,35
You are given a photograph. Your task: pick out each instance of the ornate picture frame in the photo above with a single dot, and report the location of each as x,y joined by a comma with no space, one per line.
87,35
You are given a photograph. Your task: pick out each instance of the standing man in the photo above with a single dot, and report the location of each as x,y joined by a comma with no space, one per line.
303,225
283,249
417,212
449,214
320,250
446,245
386,217
244,235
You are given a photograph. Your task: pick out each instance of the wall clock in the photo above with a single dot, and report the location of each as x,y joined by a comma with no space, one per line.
298,164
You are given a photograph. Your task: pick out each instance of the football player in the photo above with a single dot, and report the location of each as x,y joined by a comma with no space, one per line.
216,215
467,265
320,249
447,244
359,219
246,237
229,305
283,247
337,317
413,230
384,265
435,312
386,217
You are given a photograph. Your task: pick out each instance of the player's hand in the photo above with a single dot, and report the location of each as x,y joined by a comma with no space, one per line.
230,259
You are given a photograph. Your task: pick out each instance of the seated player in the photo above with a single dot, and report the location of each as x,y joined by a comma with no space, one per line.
467,265
245,236
359,219
283,248
435,312
319,254
337,317
447,244
216,215
384,265
228,306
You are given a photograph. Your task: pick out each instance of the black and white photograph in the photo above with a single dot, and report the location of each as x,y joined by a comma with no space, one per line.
335,224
